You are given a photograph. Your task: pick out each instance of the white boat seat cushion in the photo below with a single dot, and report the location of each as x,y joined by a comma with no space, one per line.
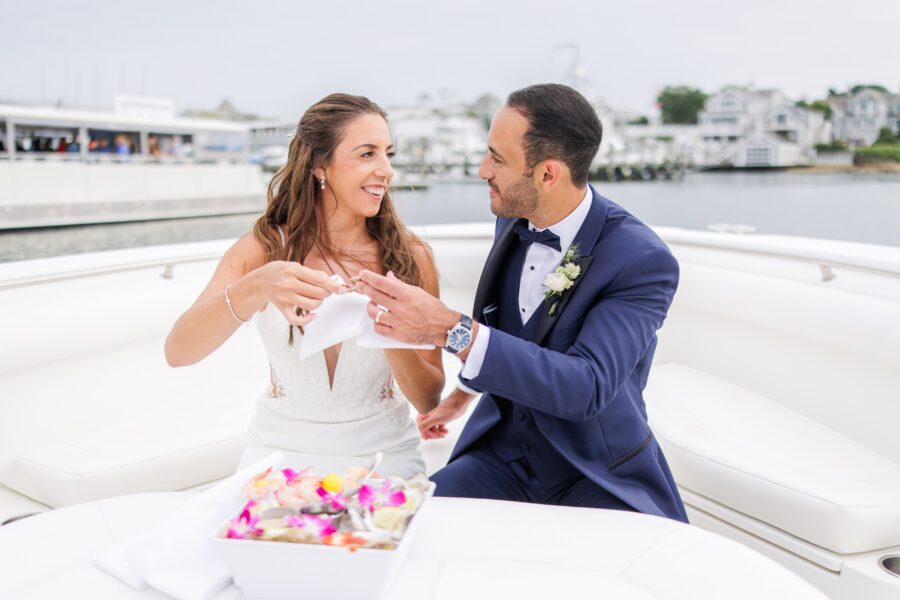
138,456
14,504
764,460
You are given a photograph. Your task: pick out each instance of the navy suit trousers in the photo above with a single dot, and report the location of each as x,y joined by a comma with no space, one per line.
480,473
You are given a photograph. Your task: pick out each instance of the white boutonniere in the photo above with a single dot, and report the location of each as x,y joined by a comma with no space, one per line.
563,277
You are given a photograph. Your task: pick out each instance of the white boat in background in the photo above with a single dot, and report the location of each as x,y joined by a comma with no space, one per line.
409,181
69,167
774,391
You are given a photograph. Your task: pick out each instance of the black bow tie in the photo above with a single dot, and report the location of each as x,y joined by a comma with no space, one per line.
545,237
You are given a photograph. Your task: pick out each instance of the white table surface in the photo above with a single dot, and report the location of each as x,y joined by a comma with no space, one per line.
463,548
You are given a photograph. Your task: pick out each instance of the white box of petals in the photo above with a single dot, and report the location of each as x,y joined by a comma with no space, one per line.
298,534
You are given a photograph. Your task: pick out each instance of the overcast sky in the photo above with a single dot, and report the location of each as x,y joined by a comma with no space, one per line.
276,57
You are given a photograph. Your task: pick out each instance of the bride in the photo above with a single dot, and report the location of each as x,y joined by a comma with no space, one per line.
328,213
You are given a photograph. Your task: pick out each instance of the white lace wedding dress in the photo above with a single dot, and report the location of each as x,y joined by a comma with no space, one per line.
330,427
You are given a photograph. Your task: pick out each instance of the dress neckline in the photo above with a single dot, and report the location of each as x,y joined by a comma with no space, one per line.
332,378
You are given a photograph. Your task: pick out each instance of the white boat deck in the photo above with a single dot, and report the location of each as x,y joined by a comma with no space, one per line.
773,394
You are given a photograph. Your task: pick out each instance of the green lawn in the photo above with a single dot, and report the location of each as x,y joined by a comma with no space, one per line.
878,153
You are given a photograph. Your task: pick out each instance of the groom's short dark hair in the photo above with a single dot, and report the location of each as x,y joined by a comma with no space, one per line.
561,125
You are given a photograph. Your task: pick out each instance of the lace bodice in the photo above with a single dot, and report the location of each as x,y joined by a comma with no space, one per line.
363,383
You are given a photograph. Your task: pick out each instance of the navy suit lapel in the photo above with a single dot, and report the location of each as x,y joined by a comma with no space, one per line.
491,268
586,238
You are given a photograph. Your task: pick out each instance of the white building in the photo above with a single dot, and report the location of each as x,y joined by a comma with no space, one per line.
613,147
269,142
76,167
658,144
447,138
858,118
758,128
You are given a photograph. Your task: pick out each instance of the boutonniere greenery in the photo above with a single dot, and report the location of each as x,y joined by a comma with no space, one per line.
563,277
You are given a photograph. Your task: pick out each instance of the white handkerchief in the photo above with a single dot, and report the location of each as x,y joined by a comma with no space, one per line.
177,556
338,319
343,317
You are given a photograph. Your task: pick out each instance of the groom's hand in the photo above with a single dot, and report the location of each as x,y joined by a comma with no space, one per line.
405,312
433,424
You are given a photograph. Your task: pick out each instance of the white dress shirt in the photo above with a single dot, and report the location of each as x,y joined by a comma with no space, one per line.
540,261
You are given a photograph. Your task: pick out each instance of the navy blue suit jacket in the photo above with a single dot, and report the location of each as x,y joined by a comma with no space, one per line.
583,372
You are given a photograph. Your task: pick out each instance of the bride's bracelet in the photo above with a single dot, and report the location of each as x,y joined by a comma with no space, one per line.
231,308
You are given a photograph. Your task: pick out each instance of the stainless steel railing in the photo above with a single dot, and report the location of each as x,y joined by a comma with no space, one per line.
826,262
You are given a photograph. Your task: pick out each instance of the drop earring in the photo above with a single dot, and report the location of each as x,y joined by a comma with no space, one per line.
322,182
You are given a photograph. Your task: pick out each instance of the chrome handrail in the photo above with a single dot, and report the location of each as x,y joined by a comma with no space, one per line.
825,261
168,265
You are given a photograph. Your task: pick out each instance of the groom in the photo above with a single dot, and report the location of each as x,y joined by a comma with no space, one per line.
563,330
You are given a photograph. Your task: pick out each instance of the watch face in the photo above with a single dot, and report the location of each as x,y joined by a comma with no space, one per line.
459,338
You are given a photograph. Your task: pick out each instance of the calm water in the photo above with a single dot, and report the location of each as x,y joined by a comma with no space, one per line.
854,207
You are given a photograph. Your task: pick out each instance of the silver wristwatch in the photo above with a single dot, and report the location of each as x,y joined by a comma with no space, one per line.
460,335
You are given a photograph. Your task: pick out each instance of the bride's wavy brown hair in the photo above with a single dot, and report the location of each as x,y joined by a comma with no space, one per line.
294,201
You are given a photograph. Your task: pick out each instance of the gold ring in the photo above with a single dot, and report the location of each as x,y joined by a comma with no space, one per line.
378,316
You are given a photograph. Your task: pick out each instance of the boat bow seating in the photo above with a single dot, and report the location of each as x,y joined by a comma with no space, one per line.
774,392
131,457
91,407
142,426
166,441
774,395
766,461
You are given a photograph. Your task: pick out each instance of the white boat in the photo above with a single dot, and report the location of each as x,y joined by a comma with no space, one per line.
409,181
68,167
774,392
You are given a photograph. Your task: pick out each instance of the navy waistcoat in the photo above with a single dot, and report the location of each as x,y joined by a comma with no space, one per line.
516,436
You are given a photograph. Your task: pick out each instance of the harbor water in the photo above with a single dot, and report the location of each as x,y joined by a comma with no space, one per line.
857,207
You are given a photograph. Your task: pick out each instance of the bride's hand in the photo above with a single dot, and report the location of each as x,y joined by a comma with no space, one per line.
433,424
289,285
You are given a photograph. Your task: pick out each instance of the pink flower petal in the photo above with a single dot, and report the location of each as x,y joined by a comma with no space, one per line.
335,501
366,497
395,498
243,525
320,525
291,476
245,514
371,499
324,527
294,521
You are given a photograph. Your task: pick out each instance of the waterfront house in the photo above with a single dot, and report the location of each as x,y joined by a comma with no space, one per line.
745,128
858,118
